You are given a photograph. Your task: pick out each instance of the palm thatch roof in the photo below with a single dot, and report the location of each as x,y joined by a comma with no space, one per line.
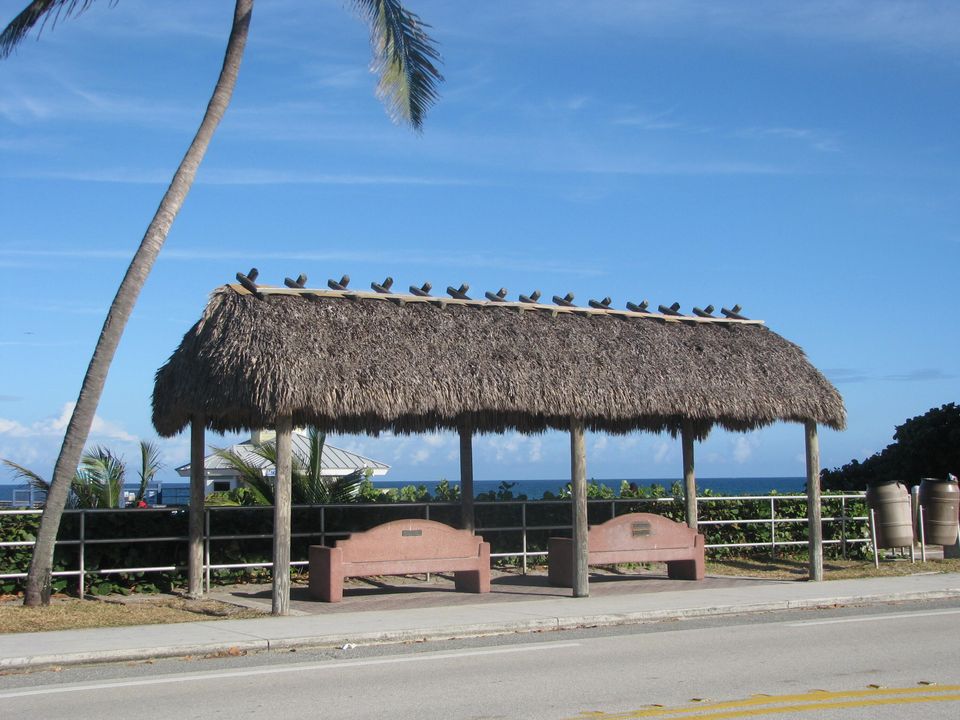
367,362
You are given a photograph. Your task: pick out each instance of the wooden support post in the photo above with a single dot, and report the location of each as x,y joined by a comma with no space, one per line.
578,481
689,475
281,518
466,478
198,487
813,502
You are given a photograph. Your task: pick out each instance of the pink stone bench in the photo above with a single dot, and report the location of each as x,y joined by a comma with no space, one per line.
632,538
401,547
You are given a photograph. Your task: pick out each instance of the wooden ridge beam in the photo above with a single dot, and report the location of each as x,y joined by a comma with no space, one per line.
555,310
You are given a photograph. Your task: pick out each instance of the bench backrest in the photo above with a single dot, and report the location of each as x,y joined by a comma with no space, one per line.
640,531
410,540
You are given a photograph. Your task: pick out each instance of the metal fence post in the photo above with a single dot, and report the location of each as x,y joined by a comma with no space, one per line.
773,527
873,539
843,526
523,524
82,558
923,536
207,559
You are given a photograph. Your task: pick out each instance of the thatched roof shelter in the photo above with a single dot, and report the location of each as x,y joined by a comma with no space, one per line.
348,361
358,362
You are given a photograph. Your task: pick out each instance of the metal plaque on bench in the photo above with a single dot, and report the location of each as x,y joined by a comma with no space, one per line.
641,529
411,533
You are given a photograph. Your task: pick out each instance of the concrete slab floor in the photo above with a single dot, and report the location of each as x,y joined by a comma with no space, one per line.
393,593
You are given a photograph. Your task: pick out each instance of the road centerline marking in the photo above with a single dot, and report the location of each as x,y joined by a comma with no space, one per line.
759,705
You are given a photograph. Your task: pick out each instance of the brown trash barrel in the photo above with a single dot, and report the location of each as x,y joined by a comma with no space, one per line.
893,520
939,500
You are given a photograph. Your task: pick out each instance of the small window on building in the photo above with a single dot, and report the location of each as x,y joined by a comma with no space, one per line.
221,486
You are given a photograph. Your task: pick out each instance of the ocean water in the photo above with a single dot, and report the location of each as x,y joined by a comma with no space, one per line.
177,493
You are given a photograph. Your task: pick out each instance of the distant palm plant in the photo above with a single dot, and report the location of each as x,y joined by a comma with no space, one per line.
149,466
308,485
99,480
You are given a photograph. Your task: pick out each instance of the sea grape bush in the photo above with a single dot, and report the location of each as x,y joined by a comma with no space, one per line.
16,559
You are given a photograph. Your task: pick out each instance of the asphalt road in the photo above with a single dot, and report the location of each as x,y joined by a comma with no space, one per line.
871,662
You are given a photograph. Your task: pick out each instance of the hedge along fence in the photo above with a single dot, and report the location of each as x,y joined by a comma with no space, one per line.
731,525
146,549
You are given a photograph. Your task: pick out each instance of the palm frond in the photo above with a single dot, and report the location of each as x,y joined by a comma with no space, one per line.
404,57
22,473
84,490
149,466
251,475
308,486
100,479
42,11
314,464
345,489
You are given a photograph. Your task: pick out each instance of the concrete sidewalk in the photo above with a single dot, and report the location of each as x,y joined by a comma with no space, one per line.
463,617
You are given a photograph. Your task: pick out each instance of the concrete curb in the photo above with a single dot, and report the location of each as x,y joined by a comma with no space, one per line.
453,631
131,654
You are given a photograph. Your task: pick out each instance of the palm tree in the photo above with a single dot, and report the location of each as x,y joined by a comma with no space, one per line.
404,56
308,486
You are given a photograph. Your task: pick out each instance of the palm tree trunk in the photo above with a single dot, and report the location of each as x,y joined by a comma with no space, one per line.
39,576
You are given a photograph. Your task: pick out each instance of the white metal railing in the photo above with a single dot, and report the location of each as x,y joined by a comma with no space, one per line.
522,552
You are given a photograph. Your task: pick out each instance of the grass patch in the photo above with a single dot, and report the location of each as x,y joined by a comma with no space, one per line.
72,613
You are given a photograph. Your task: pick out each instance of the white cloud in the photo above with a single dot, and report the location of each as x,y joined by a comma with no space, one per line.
469,259
36,445
503,446
511,447
642,167
343,76
176,451
662,451
599,444
76,103
266,176
535,450
887,24
11,427
650,121
815,139
743,447
436,440
54,427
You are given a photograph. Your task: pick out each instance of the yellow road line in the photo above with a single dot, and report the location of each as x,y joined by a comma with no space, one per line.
868,702
749,706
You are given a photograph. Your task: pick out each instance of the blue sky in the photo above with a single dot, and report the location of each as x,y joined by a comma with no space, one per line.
797,158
